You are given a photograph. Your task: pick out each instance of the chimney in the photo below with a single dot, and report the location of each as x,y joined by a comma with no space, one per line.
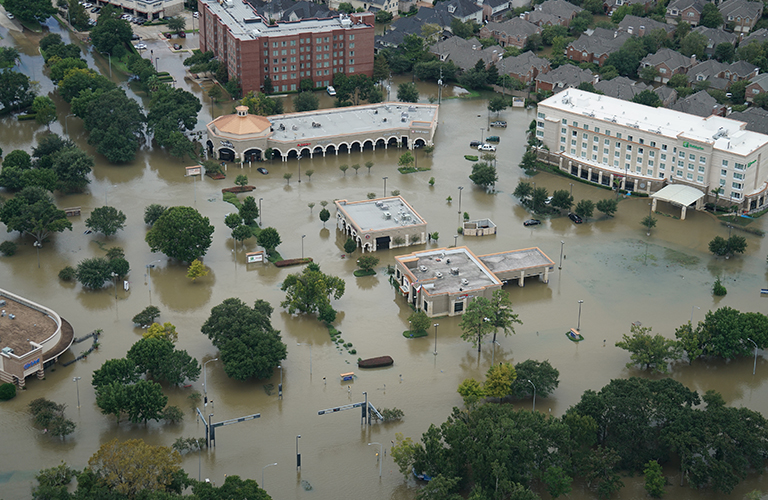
693,58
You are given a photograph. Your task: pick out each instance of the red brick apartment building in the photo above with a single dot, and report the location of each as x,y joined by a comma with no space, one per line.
287,52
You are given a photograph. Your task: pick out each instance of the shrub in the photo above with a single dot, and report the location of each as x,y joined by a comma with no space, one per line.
8,248
7,391
67,274
718,288
147,316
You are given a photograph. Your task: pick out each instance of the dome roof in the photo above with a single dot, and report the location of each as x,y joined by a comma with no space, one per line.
242,123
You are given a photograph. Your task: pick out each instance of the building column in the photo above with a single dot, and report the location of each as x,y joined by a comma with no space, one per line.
521,281
600,177
546,275
624,183
648,187
560,163
589,174
41,371
578,171
682,213
653,205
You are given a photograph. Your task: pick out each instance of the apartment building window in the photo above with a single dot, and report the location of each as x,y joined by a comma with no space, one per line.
541,115
662,166
585,136
586,127
616,154
738,166
597,130
723,172
293,43
615,163
538,124
575,124
629,137
562,149
351,37
628,157
564,121
689,176
663,147
563,131
736,196
651,154
642,141
605,151
562,139
699,178
691,166
595,139
352,53
573,151
573,142
594,148
583,154
737,175
293,86
650,163
701,169
293,59
594,157
629,147
607,142
607,132
725,163
266,44
283,43
702,159
274,44
639,159
663,156
653,144
692,157
618,135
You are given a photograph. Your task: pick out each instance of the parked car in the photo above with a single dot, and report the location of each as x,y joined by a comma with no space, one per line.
182,34
575,218
499,123
135,37
262,170
532,222
95,10
548,200
493,138
331,91
141,46
176,46
486,147
474,144
196,15
10,16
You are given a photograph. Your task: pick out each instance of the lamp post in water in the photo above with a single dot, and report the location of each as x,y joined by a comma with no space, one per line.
534,394
381,451
578,325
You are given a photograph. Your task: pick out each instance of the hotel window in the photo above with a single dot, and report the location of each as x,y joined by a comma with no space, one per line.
607,132
735,196
573,151
691,166
702,159
575,124
538,124
661,175
618,135
573,142
626,166
615,163
585,136
725,163
663,147
692,157
605,151
562,148
574,133
700,178
539,133
564,121
701,169
653,144
583,154
639,170
651,154
597,130
662,166
618,145
663,156
649,172
594,157
738,166
562,139
642,141
607,142
586,127
541,115
639,151
594,148
639,159
563,131
737,175
736,185
616,154
722,182
605,161
680,163
723,172
650,163
584,145
629,137
596,139
679,173
689,176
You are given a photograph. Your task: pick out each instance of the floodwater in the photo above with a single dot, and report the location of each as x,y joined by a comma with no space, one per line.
621,275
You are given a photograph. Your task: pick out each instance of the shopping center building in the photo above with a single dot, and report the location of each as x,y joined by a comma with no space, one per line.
442,282
380,223
613,142
32,337
324,131
286,52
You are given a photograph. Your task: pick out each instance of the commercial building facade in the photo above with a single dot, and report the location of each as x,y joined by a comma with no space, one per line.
150,9
381,223
286,52
603,139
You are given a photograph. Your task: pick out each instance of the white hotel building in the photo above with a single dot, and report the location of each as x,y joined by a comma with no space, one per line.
602,139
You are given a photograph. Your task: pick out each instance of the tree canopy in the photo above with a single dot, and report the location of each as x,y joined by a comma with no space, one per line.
106,220
249,346
181,233
311,292
30,10
32,212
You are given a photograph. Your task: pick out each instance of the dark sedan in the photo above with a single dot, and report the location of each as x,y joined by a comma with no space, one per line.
262,170
575,218
532,222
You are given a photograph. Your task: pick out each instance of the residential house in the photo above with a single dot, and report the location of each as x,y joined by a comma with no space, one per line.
621,87
466,53
411,25
564,77
514,32
552,12
759,36
641,26
685,10
494,10
755,118
710,71
306,10
668,62
273,9
525,67
596,48
757,85
715,37
668,95
742,14
463,10
609,6
700,104
741,70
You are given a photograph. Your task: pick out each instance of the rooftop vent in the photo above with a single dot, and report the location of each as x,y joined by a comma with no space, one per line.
387,215
455,271
438,275
464,281
423,269
7,350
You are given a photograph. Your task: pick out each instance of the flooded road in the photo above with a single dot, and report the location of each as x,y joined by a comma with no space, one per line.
621,275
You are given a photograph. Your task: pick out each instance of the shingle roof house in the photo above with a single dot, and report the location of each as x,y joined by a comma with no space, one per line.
743,14
514,32
668,63
621,87
596,48
524,67
755,118
564,77
640,26
715,37
684,10
466,53
699,104
553,12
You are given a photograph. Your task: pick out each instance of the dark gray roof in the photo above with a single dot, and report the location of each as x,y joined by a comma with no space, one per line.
306,10
742,69
522,63
706,70
742,8
465,53
671,58
566,76
514,26
601,41
461,8
684,4
755,118
559,8
761,80
716,36
699,104
621,87
496,3
758,36
647,23
665,93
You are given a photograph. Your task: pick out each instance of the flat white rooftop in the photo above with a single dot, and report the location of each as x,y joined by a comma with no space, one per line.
516,260
245,24
379,214
722,133
331,123
448,270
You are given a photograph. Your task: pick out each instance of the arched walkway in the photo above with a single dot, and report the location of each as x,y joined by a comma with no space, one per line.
226,154
253,154
419,143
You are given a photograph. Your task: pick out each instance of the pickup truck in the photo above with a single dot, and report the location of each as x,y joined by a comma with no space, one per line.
499,123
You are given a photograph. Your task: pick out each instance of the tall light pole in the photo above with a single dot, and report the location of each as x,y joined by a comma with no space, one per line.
692,308
534,394
156,60
481,134
385,185
571,183
578,325
149,278
205,381
381,456
650,207
260,210
110,64
199,464
302,245
436,325
262,473
310,354
280,387
461,188
76,380
66,123
298,455
562,244
114,281
455,237
754,365
299,158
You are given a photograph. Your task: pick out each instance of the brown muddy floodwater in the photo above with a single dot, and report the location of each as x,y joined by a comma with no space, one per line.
621,275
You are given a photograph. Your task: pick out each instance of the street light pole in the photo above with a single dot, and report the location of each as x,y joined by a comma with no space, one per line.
66,123
114,281
199,465
156,60
302,245
461,188
205,381
381,456
262,473
436,325
299,158
110,64
260,210
280,387
692,307
754,365
562,243
298,455
578,325
534,394
455,237
76,380
310,354
385,185
149,278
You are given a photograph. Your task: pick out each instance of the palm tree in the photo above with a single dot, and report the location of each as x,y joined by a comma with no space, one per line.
716,192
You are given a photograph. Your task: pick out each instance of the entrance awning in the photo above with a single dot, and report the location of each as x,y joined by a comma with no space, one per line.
678,194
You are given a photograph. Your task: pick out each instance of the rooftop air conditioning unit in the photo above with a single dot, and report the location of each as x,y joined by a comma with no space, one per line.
387,215
378,204
384,206
2,302
465,281
455,271
438,275
12,316
7,350
406,216
423,269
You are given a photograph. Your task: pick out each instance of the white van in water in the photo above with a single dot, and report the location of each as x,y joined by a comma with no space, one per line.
331,91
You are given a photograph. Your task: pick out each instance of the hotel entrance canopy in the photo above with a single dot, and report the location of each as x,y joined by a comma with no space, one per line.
678,194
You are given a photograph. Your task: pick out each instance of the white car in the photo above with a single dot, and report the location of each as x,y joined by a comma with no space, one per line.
331,91
486,147
141,46
196,15
10,16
